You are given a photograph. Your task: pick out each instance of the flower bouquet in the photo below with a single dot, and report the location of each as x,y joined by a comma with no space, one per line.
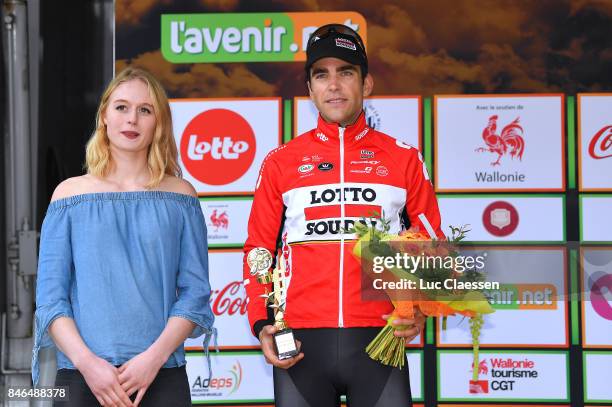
438,300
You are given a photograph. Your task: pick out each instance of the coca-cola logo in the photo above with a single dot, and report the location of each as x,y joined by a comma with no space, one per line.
601,143
229,300
218,147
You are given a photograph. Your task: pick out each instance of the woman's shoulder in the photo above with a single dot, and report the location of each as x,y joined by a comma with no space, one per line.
177,185
74,186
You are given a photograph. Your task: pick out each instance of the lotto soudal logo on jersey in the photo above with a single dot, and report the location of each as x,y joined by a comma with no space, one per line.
218,147
325,216
500,218
222,385
303,169
325,166
247,37
601,144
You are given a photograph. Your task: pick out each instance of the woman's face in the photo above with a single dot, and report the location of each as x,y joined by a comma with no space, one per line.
130,117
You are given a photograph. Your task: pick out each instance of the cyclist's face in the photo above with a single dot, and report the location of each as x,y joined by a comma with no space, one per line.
337,90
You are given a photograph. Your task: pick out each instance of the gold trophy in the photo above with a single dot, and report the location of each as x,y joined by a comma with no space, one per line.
259,260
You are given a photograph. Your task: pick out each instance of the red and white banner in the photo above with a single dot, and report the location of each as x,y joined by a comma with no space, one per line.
222,142
595,142
397,116
499,143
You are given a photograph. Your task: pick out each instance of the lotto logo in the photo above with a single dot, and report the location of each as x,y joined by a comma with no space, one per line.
218,147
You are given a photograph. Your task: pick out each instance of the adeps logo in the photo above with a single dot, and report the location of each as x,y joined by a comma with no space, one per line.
246,37
218,146
222,385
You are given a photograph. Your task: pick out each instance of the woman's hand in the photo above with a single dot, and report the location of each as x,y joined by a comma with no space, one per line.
103,380
138,373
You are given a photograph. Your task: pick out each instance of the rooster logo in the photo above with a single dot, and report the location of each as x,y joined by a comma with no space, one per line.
482,367
510,141
219,221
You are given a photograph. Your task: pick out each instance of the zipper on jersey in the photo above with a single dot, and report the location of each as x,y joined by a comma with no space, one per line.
341,278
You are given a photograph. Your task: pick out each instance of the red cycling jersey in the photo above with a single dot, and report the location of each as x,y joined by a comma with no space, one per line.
322,182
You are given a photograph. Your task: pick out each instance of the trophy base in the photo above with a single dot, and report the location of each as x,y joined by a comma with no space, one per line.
285,344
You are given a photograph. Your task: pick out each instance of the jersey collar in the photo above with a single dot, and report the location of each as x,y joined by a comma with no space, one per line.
328,133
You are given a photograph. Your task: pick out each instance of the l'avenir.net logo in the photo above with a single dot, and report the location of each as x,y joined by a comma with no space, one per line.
218,146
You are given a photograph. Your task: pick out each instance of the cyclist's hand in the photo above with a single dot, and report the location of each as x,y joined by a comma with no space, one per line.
266,337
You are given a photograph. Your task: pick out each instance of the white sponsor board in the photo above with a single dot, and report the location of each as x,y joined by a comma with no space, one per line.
499,143
595,219
415,369
397,116
228,302
596,264
226,220
531,306
596,368
222,143
236,378
505,218
504,376
595,142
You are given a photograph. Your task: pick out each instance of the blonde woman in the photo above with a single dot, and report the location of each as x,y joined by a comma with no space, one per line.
123,267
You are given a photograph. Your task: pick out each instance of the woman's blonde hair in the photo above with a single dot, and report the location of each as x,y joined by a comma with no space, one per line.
162,155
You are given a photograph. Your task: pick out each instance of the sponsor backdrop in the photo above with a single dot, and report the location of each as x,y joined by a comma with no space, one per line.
529,169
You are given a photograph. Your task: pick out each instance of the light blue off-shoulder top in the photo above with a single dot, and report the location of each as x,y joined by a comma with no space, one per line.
120,264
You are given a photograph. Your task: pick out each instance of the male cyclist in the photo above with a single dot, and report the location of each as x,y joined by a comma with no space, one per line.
309,193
